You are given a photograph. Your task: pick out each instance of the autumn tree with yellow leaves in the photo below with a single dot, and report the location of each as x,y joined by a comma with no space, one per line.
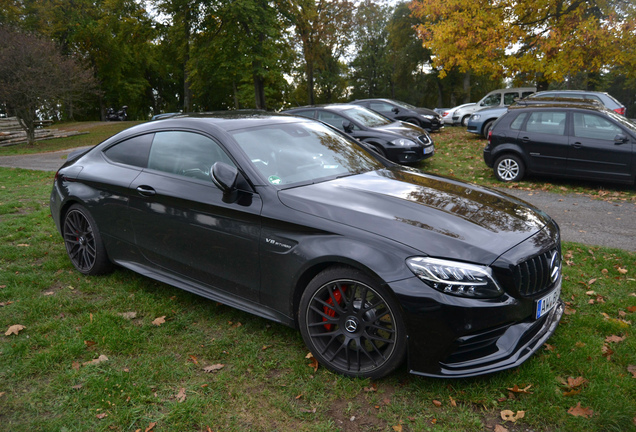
548,39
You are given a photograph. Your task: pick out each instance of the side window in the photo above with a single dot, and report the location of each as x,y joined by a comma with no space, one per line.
492,100
547,122
518,122
595,127
185,153
133,151
381,107
509,98
333,119
526,94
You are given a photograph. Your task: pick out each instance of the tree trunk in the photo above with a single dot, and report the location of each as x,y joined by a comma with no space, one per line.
467,86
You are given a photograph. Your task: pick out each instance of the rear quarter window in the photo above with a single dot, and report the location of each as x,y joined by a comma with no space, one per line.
133,151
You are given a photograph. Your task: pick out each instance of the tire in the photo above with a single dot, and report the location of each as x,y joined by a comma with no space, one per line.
465,120
351,325
509,168
487,128
83,242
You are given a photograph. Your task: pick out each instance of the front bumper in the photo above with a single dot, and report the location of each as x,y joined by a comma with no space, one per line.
455,337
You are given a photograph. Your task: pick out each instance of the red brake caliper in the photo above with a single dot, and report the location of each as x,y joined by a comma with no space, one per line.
330,311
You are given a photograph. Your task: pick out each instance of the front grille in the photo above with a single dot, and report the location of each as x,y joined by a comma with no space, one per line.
537,274
424,139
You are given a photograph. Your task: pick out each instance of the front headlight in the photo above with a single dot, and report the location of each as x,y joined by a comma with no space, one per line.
403,142
475,116
456,278
428,117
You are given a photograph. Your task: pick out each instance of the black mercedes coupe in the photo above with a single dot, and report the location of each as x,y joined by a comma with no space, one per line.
288,219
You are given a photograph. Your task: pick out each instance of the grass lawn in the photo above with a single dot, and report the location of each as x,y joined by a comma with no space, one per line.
124,353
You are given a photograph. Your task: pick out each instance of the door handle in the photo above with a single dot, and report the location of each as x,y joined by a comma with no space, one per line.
577,145
525,140
146,190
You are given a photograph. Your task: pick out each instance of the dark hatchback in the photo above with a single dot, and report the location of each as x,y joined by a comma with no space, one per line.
567,139
423,117
290,220
397,141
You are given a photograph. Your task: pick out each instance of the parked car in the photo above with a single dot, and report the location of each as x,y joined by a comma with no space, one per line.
496,98
423,117
291,220
398,141
481,122
578,140
603,98
447,116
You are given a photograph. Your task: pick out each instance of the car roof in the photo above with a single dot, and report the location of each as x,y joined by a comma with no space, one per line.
334,107
558,103
225,120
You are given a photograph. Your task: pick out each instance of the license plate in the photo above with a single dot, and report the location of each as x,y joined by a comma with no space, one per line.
545,304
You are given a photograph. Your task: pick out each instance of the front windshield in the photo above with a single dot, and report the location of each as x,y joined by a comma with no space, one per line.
303,152
628,123
367,117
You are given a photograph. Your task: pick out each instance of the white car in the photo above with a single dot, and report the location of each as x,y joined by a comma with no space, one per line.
496,98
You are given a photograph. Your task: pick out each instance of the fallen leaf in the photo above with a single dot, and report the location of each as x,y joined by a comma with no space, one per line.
213,368
621,270
500,428
573,383
128,315
607,351
452,401
632,309
372,388
102,358
181,396
516,389
632,369
77,387
614,339
397,428
579,411
76,365
265,347
89,343
150,426
22,245
314,362
193,359
101,415
437,403
159,321
14,329
569,311
310,411
572,392
507,415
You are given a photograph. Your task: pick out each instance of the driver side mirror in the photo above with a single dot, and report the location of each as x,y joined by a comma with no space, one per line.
347,126
395,110
225,177
620,139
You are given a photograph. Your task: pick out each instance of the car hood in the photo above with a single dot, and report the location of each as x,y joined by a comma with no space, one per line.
402,129
426,111
437,216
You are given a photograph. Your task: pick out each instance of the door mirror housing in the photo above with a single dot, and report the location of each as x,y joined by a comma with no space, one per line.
395,110
620,139
225,178
347,126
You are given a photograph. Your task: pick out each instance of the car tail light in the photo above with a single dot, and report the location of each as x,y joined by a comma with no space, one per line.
620,110
489,136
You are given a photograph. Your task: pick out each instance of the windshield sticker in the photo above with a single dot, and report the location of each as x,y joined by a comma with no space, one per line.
275,180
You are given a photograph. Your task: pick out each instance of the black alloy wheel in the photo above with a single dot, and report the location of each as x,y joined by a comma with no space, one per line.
351,325
465,120
83,242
